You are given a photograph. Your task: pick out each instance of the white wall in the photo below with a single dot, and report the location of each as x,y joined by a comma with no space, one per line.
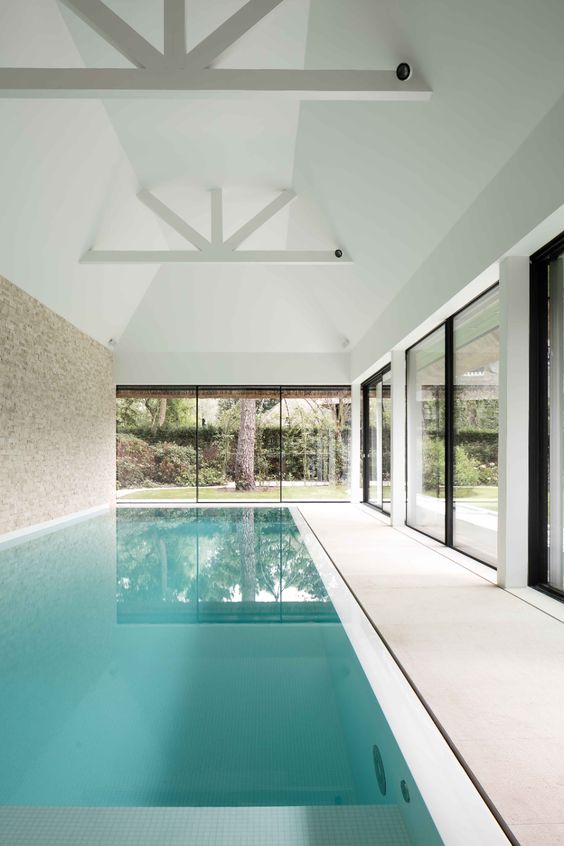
135,367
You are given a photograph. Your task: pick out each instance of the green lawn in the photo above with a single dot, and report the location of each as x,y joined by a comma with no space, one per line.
289,492
483,496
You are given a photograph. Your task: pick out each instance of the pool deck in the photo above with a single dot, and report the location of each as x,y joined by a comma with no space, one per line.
489,664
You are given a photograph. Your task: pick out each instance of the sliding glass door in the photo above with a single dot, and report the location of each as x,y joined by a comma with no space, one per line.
156,443
387,441
316,432
556,426
476,416
546,464
223,443
238,444
426,409
452,430
377,397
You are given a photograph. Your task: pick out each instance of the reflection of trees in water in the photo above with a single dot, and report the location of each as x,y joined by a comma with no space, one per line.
263,550
216,556
156,560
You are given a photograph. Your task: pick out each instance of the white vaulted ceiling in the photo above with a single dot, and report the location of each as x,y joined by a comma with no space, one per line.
387,181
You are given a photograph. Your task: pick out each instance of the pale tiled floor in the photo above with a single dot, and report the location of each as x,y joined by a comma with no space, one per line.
490,666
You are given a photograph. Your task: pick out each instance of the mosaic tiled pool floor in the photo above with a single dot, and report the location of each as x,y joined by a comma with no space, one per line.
364,825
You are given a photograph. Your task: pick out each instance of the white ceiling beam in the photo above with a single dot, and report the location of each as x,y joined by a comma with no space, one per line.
217,251
116,32
177,72
259,219
173,220
217,216
175,33
214,256
303,84
229,32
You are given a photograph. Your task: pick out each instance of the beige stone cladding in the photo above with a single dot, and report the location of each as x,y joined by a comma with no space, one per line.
57,415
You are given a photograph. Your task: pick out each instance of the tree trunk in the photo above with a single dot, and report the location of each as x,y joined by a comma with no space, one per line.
248,556
331,465
162,411
153,414
245,458
320,461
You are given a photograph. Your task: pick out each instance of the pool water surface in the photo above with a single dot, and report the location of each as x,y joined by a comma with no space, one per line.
187,658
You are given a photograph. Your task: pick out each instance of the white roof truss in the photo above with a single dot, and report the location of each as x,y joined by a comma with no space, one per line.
178,71
219,250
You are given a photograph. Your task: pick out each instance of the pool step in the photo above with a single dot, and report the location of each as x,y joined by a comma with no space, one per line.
352,825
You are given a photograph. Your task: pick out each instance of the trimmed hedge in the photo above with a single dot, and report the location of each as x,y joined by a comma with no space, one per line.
167,456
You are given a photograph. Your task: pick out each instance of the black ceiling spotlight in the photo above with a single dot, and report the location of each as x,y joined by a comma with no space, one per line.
403,71
338,253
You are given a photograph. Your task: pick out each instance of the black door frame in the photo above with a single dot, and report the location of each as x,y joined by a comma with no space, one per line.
448,326
280,390
539,411
365,387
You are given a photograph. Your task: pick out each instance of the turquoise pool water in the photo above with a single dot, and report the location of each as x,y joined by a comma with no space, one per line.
188,658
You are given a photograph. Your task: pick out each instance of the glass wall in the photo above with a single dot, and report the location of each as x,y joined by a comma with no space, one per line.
316,432
238,444
156,443
555,383
452,430
227,443
377,415
476,418
426,407
387,441
546,403
373,465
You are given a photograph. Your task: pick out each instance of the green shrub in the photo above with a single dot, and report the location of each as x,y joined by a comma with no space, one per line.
489,474
129,474
433,465
135,461
466,470
145,465
174,464
210,475
306,448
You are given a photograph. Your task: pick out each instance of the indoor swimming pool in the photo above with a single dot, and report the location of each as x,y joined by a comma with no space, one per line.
192,658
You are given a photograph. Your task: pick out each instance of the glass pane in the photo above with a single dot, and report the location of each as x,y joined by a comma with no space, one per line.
373,444
387,441
156,444
426,435
239,444
363,436
316,430
556,430
476,423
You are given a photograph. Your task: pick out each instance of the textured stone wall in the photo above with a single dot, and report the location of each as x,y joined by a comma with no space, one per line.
57,415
